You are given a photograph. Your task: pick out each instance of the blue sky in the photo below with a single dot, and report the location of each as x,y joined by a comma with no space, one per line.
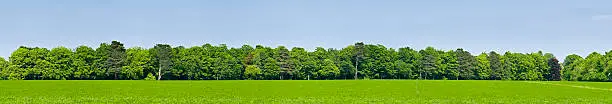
561,27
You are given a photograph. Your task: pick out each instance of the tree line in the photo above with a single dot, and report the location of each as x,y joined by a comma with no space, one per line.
359,61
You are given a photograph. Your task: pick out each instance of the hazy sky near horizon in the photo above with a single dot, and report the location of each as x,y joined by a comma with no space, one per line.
560,27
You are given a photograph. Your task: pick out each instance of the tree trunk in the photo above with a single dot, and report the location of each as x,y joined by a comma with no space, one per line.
159,73
356,64
115,74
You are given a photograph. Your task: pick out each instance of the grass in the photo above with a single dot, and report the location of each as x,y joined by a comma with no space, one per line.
604,85
292,92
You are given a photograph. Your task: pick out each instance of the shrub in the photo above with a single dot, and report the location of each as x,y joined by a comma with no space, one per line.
150,77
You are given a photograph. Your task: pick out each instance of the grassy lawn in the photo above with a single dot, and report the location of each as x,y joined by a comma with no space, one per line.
604,85
333,91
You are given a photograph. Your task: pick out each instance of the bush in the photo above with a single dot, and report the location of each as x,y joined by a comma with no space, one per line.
150,77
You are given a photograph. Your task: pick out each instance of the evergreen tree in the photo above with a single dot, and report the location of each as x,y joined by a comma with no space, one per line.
116,58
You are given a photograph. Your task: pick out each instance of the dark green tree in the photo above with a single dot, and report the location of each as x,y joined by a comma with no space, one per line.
429,62
101,63
116,59
468,65
162,55
359,50
496,65
285,62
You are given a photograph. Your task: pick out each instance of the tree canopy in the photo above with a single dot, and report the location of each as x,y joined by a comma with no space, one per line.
357,61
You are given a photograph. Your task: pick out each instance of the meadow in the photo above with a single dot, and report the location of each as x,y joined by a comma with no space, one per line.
302,91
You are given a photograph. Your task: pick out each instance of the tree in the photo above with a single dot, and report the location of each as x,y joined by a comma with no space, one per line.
189,60
484,67
329,70
20,61
404,70
555,69
252,72
451,66
176,71
344,60
101,62
509,66
318,61
162,56
285,62
378,63
116,58
3,67
60,60
270,68
359,50
607,61
83,63
430,58
136,62
412,58
304,64
496,65
541,64
467,65
241,55
593,68
222,64
208,62
569,67
28,63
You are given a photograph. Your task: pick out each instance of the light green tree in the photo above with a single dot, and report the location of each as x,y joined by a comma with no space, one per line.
136,62
484,67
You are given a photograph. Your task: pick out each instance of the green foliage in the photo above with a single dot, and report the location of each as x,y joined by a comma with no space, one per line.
468,65
161,58
328,70
484,71
60,64
455,68
270,69
150,77
358,54
116,59
359,61
430,64
101,65
252,72
497,67
3,68
83,60
137,61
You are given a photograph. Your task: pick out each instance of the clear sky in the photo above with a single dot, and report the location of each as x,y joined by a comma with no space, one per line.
561,27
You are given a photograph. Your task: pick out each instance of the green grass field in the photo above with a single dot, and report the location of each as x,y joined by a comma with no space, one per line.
364,91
